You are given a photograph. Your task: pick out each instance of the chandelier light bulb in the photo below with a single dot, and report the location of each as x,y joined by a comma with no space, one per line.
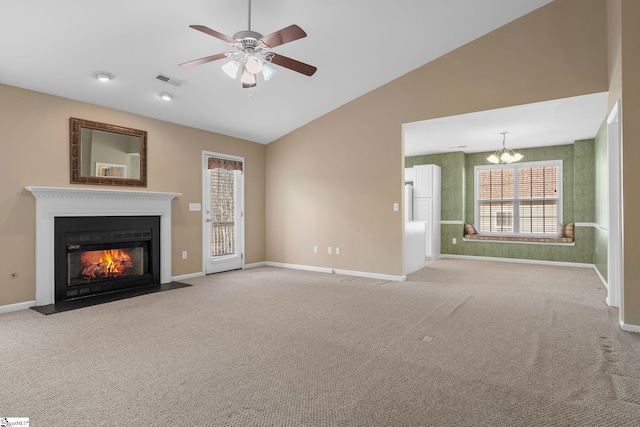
493,158
504,155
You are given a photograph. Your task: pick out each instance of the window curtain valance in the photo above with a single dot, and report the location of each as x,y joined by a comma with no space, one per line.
218,163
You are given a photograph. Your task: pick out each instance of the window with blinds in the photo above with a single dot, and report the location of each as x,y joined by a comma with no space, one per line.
523,199
223,206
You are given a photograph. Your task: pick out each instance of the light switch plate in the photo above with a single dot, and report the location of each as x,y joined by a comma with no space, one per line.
195,207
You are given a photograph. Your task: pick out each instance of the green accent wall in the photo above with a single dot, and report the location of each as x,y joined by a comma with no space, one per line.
585,180
581,252
584,194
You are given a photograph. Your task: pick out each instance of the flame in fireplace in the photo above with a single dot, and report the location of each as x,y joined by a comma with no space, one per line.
105,264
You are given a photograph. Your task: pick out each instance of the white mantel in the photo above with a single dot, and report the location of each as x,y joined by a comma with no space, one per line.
52,202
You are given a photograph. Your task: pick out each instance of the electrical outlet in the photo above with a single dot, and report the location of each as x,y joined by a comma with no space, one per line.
184,254
315,249
337,250
329,250
454,241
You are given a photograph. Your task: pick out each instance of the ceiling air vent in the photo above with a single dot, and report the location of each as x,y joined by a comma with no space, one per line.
170,80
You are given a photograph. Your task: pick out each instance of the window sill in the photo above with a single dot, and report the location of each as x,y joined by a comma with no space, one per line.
559,241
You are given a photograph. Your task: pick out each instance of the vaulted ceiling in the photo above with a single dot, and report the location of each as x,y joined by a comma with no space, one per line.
358,45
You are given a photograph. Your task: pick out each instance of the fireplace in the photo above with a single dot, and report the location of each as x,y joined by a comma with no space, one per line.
95,255
53,204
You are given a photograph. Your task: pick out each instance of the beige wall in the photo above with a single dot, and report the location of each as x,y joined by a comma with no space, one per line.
333,182
34,134
614,50
628,64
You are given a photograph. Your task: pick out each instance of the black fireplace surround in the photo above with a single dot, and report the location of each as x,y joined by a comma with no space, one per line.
102,254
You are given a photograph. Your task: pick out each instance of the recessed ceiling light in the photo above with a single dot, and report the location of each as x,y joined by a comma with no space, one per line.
103,76
166,96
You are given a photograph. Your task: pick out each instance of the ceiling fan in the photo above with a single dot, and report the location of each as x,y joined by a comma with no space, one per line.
252,54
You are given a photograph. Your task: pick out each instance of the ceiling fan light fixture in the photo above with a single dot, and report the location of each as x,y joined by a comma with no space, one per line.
253,64
248,79
231,68
252,53
268,71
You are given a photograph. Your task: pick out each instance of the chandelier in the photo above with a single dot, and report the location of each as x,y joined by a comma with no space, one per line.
504,155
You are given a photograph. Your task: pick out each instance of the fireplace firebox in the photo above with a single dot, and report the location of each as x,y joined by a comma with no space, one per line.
101,254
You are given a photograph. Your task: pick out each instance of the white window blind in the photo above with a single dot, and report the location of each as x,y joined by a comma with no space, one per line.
223,206
523,199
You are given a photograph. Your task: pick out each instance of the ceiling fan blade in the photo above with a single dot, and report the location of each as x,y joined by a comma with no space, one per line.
204,60
285,35
292,64
214,33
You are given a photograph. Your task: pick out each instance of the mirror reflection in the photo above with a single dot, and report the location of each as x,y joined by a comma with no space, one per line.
107,154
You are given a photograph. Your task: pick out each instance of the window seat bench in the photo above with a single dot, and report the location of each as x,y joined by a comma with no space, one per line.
566,235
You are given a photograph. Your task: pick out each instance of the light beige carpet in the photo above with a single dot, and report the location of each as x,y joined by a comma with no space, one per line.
461,343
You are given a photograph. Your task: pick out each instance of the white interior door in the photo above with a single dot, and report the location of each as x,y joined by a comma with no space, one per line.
223,218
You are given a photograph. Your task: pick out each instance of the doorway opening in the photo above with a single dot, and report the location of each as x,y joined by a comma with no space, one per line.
223,212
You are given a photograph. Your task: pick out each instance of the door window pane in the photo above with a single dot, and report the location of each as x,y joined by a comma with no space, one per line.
223,206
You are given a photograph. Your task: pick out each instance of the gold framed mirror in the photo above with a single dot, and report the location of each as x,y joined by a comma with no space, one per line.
106,154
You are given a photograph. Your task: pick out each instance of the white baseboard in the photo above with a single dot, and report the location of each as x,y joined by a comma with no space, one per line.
200,273
17,307
299,267
187,276
337,271
604,282
629,328
255,264
371,275
519,261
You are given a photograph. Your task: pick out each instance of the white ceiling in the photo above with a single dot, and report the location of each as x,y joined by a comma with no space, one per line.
357,45
556,122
